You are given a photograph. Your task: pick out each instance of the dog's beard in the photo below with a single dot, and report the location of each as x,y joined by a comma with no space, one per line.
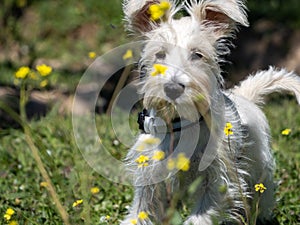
163,108
187,106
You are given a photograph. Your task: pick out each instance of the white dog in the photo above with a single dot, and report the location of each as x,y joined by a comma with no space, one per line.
202,146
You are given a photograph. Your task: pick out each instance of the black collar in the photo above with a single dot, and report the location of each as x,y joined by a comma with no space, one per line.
177,123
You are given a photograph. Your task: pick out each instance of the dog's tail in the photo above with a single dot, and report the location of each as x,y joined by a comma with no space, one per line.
257,86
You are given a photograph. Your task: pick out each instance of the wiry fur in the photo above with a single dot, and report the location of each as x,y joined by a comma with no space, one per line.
225,192
256,87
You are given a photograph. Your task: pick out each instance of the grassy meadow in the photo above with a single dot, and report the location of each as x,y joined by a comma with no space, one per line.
24,190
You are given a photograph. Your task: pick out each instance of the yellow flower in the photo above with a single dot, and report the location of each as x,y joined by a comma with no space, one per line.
260,187
44,83
171,164
133,221
92,55
286,132
22,72
95,190
143,215
44,184
43,69
13,222
128,54
183,163
150,140
158,155
77,202
107,217
228,129
9,212
157,11
142,160
159,69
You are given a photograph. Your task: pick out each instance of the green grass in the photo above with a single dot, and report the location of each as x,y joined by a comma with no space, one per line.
285,114
20,179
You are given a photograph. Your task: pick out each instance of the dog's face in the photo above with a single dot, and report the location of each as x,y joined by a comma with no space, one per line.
180,58
190,59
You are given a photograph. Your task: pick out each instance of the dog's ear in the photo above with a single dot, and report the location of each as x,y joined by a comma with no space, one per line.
221,15
138,14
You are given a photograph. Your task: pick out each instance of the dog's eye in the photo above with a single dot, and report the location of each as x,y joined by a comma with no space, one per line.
196,55
160,55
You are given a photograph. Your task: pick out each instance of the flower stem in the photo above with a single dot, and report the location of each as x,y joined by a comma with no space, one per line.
22,120
35,153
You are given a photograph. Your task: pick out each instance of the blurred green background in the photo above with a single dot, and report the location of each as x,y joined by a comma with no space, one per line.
61,33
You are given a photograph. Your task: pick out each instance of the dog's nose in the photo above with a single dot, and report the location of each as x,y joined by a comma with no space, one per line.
173,90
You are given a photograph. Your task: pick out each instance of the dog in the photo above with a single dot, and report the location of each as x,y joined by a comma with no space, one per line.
202,146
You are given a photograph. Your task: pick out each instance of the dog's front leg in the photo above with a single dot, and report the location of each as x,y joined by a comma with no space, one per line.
206,208
150,200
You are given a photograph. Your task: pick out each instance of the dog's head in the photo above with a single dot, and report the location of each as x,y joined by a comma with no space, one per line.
180,60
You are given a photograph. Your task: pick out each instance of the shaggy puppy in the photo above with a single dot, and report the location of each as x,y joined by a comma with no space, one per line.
202,146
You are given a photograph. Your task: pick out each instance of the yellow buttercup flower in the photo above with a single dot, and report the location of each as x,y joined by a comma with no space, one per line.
183,163
142,161
44,184
92,55
22,72
13,222
157,11
171,164
95,190
143,215
8,214
286,132
151,140
260,187
159,69
133,221
228,129
158,155
44,83
43,69
128,54
77,202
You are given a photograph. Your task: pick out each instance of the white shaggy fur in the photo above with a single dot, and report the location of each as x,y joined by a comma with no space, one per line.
225,168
